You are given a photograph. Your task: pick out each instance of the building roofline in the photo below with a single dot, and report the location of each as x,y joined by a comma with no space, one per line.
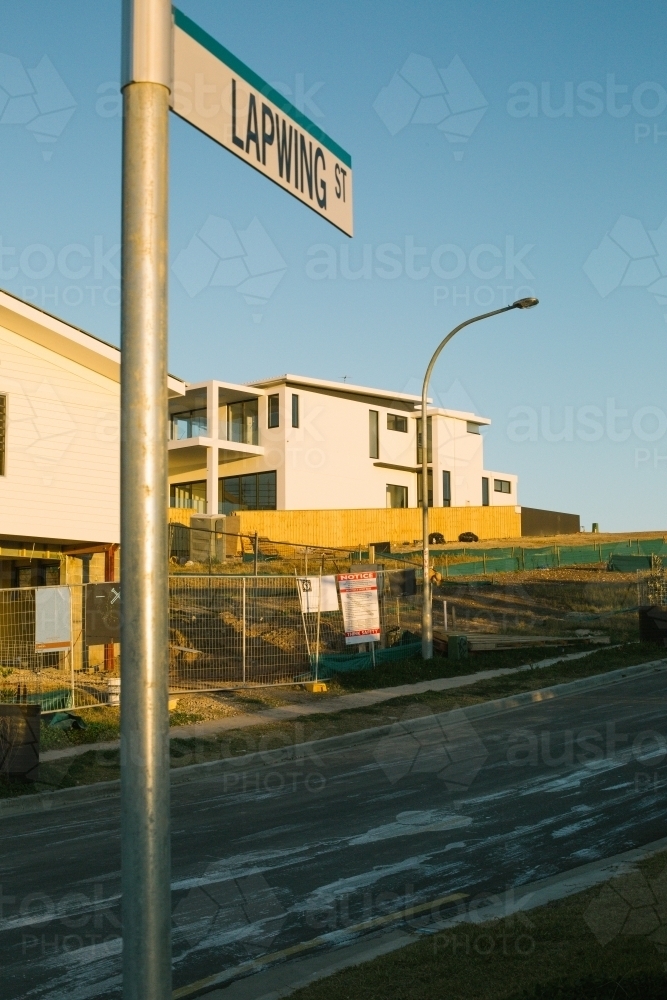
360,390
61,337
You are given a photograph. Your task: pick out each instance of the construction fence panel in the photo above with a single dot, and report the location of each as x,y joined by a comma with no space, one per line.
57,679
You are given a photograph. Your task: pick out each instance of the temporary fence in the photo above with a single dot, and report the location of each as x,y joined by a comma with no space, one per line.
486,562
228,631
224,631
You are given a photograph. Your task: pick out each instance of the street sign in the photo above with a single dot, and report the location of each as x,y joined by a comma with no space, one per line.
218,94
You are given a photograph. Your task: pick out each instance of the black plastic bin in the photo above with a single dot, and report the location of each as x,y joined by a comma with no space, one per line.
19,741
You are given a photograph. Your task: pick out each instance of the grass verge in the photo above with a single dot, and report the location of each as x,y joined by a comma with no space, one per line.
104,765
607,943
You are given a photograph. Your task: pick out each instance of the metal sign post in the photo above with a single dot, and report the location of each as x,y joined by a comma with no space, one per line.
145,836
253,121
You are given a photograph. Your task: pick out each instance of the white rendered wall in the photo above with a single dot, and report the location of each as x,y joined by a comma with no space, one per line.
503,499
462,454
325,462
62,467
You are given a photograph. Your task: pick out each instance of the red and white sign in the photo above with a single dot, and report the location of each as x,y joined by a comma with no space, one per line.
361,610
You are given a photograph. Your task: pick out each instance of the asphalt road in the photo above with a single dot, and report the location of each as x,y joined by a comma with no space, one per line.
273,855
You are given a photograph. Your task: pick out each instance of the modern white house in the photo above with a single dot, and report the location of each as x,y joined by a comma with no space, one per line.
296,443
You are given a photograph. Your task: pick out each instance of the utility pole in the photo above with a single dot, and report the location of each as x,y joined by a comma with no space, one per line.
145,834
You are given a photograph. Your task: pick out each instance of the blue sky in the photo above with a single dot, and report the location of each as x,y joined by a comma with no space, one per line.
567,205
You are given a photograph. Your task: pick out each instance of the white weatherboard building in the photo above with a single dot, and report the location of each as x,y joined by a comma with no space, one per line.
295,443
59,443
287,443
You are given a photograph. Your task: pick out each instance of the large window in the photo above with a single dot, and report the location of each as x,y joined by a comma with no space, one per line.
374,433
429,449
295,410
274,410
446,488
485,491
3,433
397,423
430,488
256,491
243,421
397,496
502,486
189,495
187,424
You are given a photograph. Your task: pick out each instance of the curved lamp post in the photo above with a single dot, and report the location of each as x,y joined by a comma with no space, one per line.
427,615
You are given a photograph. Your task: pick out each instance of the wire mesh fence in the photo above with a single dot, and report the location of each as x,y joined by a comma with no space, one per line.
232,630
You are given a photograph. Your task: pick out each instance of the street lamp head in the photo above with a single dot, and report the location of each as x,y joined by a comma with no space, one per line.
525,303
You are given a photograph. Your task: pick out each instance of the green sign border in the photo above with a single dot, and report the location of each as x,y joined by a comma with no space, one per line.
225,56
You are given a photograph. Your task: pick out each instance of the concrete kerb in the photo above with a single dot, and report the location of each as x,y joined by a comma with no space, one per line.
281,980
46,801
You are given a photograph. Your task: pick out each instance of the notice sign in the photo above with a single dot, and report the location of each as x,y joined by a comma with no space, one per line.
218,94
361,611
102,613
53,619
318,593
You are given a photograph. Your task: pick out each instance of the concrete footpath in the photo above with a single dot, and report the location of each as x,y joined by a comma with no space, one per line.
321,705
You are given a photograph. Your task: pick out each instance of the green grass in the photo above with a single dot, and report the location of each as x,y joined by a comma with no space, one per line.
104,765
549,953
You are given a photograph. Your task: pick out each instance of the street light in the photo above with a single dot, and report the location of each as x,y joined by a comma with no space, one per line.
427,615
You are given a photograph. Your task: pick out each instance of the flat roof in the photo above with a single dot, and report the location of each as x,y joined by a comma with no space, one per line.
69,341
364,390
320,383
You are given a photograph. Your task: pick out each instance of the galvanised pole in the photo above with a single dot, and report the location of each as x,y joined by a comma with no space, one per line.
427,612
145,834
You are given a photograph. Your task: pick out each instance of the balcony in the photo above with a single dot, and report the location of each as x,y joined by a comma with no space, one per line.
213,416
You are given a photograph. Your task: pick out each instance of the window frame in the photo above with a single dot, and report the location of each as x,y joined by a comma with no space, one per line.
486,499
429,440
429,486
295,409
498,485
404,492
262,485
397,418
446,488
273,410
373,433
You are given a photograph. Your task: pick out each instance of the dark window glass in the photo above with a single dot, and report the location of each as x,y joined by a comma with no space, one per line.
430,488
373,434
446,489
266,491
485,491
397,423
274,410
429,450
295,411
248,492
256,491
502,486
